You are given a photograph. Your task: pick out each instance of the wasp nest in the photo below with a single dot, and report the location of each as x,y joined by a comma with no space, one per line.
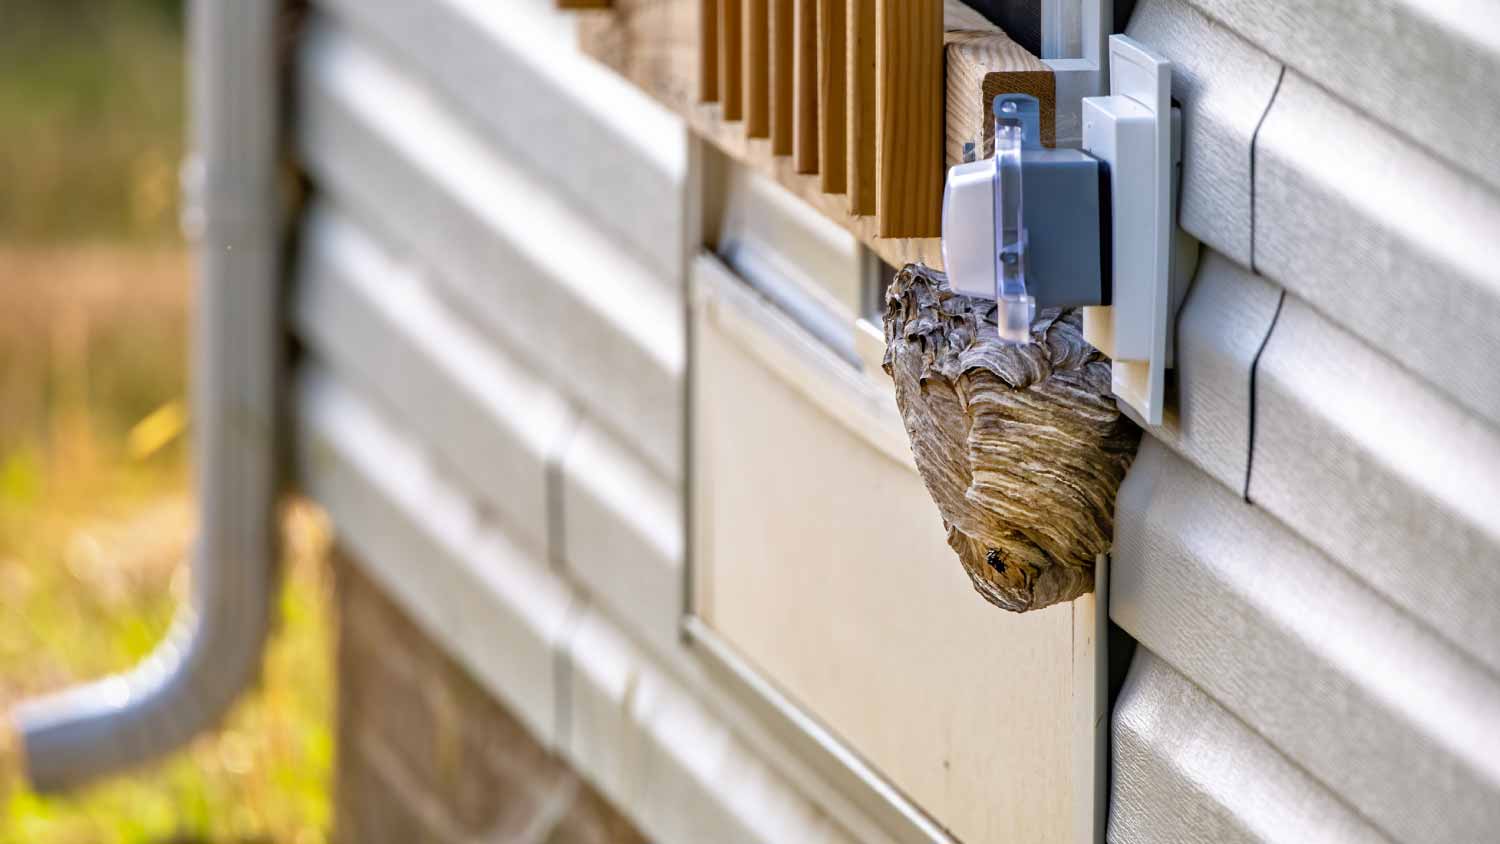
1021,447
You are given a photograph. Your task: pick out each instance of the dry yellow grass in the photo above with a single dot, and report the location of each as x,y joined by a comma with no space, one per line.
93,541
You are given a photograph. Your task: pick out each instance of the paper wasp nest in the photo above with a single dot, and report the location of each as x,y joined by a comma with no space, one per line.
1021,447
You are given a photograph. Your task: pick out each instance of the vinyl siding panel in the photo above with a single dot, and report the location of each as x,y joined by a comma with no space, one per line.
1358,693
1387,477
615,154
373,320
1426,69
1223,100
622,536
1226,317
492,407
1187,772
397,513
513,257
576,680
1308,550
1399,248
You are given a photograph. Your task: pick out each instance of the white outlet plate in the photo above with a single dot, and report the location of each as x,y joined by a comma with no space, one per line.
1131,130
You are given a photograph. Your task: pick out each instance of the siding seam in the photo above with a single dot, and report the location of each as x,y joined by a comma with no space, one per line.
562,678
1254,137
557,456
1254,370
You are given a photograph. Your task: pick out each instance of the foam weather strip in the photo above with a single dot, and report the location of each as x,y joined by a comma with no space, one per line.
1022,447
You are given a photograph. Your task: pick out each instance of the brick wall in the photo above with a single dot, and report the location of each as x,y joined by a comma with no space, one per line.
425,755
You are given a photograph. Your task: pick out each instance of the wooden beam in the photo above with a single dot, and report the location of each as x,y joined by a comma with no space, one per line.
833,96
981,66
860,106
731,59
805,84
909,108
757,68
583,4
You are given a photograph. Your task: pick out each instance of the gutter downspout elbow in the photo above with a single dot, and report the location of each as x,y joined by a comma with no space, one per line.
213,652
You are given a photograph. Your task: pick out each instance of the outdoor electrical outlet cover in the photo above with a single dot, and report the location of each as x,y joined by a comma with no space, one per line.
1060,247
1131,130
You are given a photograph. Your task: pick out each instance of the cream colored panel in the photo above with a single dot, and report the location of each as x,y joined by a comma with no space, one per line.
822,561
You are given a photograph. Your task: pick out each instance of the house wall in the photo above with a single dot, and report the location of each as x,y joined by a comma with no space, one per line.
490,301
489,306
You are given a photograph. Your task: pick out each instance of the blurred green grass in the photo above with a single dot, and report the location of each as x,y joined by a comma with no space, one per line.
95,511
91,98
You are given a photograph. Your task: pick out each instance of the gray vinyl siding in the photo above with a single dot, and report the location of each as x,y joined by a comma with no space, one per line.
490,391
1308,550
497,241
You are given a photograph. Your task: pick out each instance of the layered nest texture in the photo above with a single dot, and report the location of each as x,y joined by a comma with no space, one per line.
1022,447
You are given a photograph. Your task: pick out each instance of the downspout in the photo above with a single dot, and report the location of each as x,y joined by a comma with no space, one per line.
213,651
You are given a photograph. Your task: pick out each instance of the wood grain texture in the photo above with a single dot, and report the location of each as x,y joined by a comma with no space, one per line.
833,96
783,51
583,4
731,59
1022,448
708,50
655,45
860,106
981,66
757,71
667,47
909,111
959,16
805,85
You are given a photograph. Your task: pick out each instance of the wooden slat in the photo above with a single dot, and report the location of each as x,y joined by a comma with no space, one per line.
783,51
833,96
651,43
757,69
860,106
708,51
583,4
909,109
731,59
805,85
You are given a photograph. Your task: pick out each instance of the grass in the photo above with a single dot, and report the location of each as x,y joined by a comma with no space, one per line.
91,98
93,541
96,515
